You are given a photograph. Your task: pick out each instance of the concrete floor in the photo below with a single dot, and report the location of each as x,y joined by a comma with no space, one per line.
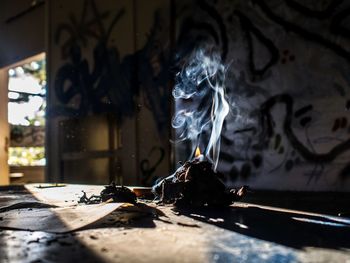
151,233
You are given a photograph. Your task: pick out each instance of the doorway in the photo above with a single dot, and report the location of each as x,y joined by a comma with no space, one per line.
26,120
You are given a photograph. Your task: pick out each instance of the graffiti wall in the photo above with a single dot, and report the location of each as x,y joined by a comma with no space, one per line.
286,80
287,83
110,60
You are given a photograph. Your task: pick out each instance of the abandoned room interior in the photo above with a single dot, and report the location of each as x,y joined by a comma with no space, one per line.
174,131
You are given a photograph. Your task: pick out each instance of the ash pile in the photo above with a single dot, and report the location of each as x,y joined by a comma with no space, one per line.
196,184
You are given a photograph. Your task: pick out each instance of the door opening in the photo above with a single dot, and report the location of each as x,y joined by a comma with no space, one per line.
26,118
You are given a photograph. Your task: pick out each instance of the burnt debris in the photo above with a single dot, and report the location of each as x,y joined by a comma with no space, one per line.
111,192
195,183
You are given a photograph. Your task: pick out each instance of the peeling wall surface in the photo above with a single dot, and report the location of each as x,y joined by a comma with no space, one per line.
287,83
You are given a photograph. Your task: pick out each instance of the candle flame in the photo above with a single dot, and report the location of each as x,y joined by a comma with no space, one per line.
198,152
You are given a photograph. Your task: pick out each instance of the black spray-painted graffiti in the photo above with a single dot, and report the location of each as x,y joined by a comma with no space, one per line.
245,148
193,33
308,155
310,12
250,30
307,34
111,83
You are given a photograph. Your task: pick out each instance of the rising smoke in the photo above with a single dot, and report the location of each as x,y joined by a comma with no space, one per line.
200,89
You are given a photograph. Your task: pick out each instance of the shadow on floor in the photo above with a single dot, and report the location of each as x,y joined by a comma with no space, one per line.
37,246
296,230
139,216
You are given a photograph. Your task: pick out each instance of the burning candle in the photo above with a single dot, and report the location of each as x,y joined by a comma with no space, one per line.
198,155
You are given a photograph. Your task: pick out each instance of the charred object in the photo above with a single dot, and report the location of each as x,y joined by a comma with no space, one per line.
110,192
195,183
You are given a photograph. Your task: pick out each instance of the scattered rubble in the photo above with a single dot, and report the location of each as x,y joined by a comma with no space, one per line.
111,192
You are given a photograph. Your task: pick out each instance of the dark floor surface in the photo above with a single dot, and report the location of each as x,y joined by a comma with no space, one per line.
245,232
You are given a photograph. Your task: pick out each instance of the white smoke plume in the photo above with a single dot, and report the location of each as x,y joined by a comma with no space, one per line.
200,89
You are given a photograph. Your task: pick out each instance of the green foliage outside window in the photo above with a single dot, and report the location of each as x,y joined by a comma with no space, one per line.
26,156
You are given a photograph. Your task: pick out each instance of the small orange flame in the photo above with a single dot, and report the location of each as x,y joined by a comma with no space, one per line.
198,152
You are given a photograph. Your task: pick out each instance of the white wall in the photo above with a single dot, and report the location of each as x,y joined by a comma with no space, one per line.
287,69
